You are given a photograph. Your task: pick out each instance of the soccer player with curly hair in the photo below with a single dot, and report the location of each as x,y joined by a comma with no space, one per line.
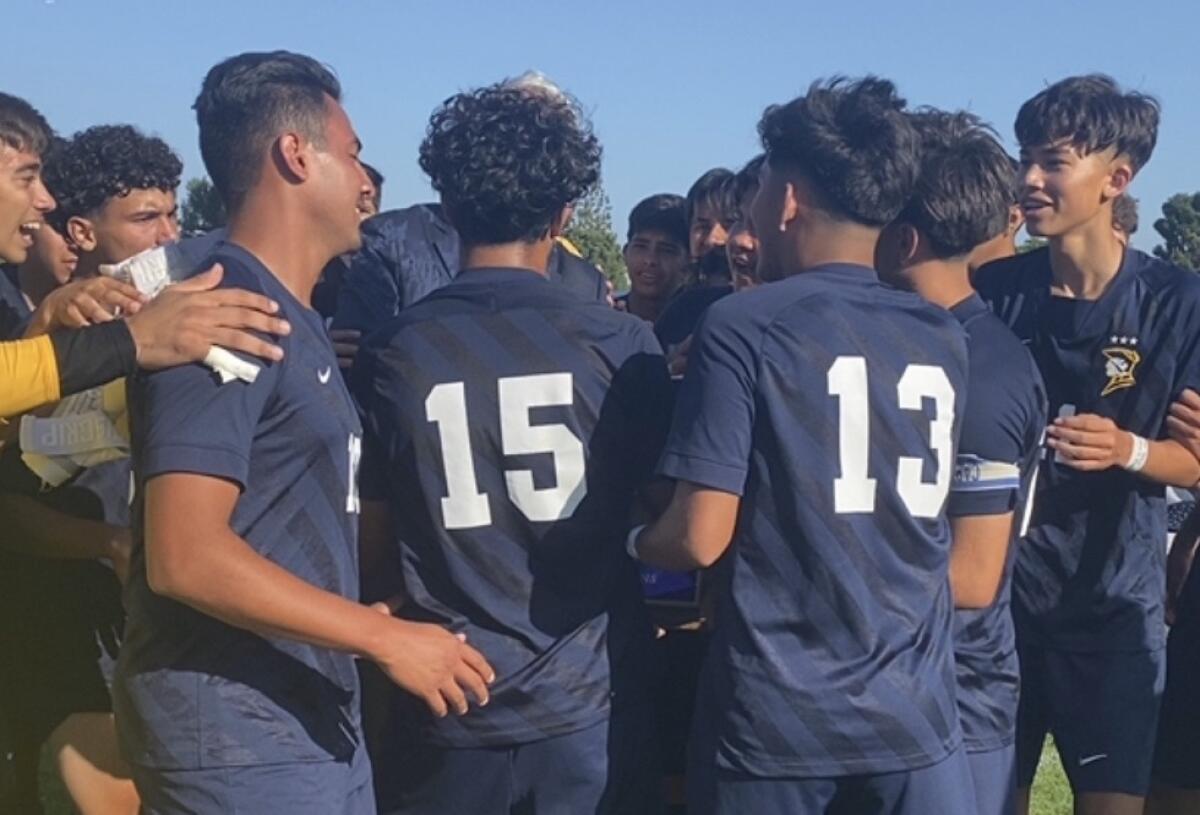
115,188
508,423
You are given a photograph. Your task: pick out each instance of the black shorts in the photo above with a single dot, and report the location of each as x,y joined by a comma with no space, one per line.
1102,709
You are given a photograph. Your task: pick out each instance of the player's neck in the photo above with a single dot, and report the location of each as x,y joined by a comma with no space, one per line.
648,308
1086,259
843,244
281,240
944,283
995,249
519,255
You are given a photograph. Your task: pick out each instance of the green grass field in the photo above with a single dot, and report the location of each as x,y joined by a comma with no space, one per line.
1051,795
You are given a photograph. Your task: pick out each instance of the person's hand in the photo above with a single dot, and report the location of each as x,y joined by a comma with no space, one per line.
85,302
677,357
345,345
187,319
432,664
1089,443
119,546
1183,421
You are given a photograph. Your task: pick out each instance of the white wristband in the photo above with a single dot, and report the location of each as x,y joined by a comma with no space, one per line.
1138,455
631,541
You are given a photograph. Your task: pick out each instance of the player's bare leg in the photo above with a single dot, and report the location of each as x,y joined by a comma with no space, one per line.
86,756
1109,803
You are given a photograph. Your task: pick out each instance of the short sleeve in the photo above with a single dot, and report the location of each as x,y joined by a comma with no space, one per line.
711,432
998,431
1187,366
186,420
193,423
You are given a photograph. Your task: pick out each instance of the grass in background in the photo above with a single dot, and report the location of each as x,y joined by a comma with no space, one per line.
1051,792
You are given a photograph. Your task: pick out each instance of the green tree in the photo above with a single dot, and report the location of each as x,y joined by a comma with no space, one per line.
591,230
1180,229
202,210
1029,244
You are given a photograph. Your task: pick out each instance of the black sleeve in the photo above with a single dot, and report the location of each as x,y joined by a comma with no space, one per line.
92,356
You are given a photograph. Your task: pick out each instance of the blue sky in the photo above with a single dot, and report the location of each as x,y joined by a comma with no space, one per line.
673,88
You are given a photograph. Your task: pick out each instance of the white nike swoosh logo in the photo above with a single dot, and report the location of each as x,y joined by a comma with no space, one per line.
323,376
1083,762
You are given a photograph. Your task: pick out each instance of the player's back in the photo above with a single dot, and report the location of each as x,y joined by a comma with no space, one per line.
832,654
513,423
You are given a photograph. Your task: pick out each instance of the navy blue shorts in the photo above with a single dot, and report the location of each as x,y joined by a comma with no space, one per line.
994,779
1102,709
1177,754
610,768
314,788
942,789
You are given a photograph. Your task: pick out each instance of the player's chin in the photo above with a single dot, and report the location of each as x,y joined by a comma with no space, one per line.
14,250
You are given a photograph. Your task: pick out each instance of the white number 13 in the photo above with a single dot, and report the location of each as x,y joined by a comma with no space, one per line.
464,506
854,490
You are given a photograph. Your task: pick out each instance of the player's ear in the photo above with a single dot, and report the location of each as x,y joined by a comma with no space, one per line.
290,155
793,205
1016,219
1120,176
80,234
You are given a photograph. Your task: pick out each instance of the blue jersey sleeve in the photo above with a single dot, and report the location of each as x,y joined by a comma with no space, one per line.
191,422
711,432
196,424
1001,423
1188,365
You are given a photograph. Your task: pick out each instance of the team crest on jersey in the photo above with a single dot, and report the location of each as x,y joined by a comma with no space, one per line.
1121,359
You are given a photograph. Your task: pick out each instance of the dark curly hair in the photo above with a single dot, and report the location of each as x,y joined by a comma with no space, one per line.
964,192
1094,114
853,141
103,162
507,159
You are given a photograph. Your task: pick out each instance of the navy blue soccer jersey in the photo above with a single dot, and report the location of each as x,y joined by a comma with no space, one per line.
1090,575
508,424
829,402
681,316
193,692
1004,419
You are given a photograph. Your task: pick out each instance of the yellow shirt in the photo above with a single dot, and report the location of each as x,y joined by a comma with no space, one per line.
28,375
